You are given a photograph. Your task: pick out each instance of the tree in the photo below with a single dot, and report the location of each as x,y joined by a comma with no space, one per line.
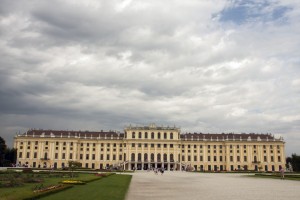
74,165
7,155
295,162
2,151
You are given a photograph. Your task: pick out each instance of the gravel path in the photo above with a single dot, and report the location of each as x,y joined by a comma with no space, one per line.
195,186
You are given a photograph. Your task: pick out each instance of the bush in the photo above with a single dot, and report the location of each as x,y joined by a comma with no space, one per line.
27,170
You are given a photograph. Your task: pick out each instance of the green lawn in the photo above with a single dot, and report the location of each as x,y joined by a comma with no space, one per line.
113,187
295,177
26,190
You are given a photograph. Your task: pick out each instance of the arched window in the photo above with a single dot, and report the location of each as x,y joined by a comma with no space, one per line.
152,135
146,135
165,157
132,157
165,135
145,157
171,157
152,157
158,135
140,135
139,157
171,136
158,157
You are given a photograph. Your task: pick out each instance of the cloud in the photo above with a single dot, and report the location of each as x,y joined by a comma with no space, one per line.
203,66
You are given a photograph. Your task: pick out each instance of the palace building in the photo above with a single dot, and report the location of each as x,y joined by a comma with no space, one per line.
147,147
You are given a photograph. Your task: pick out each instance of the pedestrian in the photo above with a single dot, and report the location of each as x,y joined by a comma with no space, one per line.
162,170
282,173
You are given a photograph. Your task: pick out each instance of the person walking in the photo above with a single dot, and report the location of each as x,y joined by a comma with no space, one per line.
282,173
162,170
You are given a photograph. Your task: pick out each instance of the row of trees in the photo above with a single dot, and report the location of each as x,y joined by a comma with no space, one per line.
295,162
7,155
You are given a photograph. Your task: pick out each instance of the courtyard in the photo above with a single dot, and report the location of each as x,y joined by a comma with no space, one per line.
213,186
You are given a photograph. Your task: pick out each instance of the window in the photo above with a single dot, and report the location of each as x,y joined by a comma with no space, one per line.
101,156
183,158
20,154
146,135
35,155
171,136
171,145
145,157
140,135
93,156
171,157
189,158
47,143
152,145
139,145
158,135
245,158
107,157
71,144
201,158
65,144
215,146
87,156
208,146
114,157
132,157
28,155
71,156
279,159
158,145
165,157
165,145
81,156
208,158
238,159
56,155
36,142
133,134
265,158
221,158
195,158
231,146
215,158
158,157
272,158
146,145
63,156
152,135
201,146
133,145
189,146
120,157
165,135
231,158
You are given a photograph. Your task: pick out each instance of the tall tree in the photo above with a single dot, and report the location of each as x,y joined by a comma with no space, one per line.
2,151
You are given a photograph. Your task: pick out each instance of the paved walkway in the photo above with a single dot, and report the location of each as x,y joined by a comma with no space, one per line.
209,186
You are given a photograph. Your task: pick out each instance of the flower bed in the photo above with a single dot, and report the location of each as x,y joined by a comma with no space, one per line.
73,182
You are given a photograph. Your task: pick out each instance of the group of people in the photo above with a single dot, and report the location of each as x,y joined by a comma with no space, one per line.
161,170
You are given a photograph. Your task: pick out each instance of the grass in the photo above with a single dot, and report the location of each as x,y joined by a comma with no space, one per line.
26,190
295,177
113,187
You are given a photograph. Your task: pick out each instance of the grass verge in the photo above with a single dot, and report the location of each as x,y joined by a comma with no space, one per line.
113,187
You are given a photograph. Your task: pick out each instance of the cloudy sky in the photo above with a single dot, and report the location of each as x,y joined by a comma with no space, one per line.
206,66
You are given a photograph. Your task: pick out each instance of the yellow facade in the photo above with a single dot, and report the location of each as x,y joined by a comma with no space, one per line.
149,147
